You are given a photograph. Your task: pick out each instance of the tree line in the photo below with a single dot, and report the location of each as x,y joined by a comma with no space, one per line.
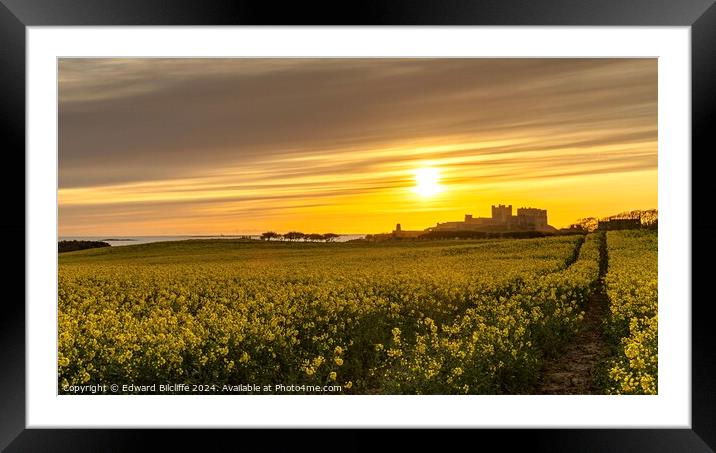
71,246
298,236
649,219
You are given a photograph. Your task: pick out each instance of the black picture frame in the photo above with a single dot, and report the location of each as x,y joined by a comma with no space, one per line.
16,15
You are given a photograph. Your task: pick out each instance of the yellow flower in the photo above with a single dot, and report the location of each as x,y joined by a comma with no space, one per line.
349,384
318,361
332,375
338,361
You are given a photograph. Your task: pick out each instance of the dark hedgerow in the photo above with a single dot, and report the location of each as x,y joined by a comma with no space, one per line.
71,246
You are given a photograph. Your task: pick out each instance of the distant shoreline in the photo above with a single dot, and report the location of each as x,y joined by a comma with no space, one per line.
120,241
230,236
133,237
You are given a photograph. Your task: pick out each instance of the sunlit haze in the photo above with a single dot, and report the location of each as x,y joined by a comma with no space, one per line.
243,146
427,182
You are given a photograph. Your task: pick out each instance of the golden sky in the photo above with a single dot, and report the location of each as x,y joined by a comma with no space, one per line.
227,146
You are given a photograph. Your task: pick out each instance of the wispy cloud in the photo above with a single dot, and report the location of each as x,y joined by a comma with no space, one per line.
196,145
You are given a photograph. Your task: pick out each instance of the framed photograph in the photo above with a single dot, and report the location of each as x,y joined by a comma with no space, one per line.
447,217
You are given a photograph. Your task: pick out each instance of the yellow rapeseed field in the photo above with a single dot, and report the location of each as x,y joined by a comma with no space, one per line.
416,317
632,288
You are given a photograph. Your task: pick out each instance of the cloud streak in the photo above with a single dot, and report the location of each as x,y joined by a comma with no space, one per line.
196,145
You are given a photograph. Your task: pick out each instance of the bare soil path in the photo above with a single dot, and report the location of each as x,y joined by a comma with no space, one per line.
573,371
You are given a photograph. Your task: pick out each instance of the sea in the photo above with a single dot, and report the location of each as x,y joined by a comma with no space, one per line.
133,240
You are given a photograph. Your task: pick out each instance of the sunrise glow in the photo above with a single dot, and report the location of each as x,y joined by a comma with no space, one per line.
427,182
181,146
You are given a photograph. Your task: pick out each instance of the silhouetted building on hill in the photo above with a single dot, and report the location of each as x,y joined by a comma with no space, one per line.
401,233
501,213
527,219
531,218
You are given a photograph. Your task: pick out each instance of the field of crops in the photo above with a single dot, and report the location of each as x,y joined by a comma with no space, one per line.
385,318
632,287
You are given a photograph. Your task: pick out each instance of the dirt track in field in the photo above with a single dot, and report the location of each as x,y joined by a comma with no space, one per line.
573,371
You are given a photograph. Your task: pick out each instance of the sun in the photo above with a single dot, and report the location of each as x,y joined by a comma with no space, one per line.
427,182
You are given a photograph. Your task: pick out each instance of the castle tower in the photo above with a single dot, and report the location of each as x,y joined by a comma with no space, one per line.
501,214
531,217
